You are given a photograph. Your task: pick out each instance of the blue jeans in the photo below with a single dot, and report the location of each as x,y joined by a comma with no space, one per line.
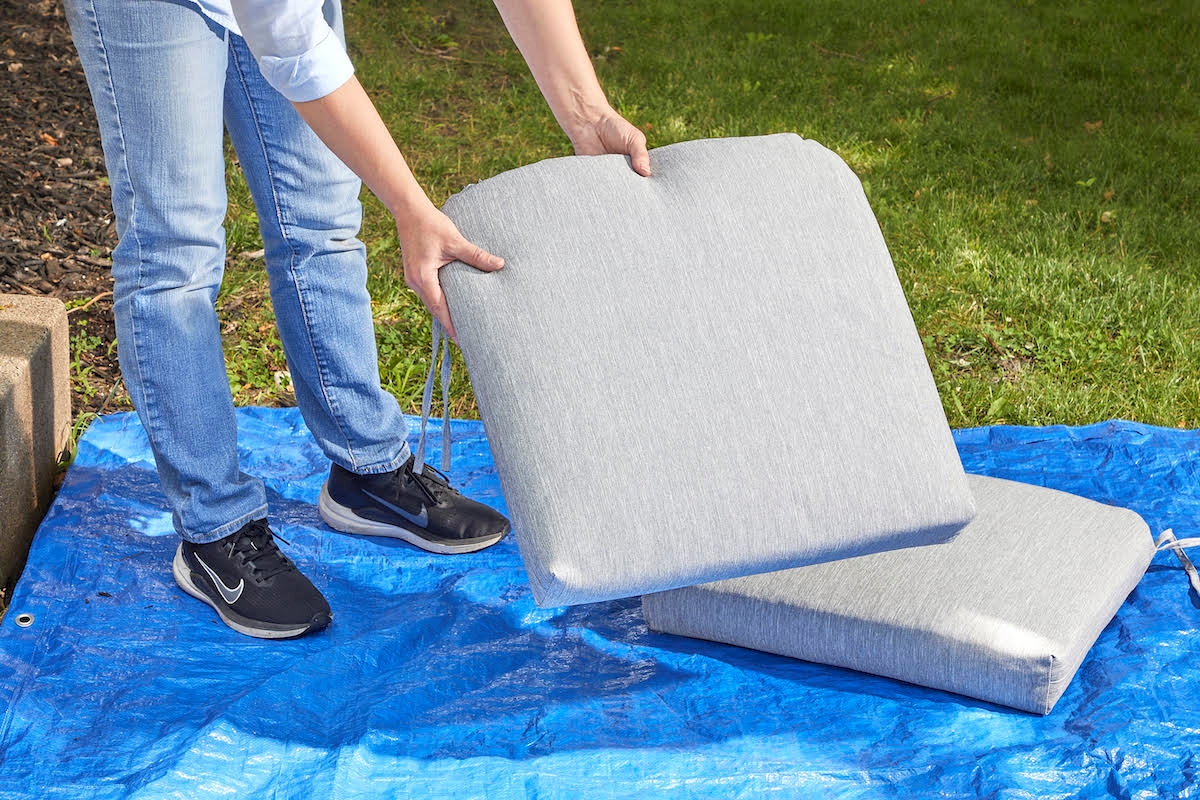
164,80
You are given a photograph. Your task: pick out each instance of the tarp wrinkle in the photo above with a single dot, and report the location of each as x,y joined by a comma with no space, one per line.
440,677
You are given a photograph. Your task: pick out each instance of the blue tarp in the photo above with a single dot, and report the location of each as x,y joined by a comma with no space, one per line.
440,677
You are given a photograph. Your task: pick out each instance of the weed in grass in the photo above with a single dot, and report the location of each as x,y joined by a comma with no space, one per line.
81,343
241,223
254,358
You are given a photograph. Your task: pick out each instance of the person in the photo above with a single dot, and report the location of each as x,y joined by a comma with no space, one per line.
165,77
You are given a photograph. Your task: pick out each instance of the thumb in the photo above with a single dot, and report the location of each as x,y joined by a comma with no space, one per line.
477,257
639,156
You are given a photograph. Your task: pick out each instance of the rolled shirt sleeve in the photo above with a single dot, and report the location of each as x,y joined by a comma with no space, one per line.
298,53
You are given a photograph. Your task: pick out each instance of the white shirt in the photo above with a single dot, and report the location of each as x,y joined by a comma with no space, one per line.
296,49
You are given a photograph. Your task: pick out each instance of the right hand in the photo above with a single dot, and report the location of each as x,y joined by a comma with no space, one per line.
430,242
612,133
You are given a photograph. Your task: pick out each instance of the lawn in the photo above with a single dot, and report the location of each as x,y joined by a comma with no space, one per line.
1033,166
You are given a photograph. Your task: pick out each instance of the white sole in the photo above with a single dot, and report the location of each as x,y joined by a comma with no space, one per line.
341,518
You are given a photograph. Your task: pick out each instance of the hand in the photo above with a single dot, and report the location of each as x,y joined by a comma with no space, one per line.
612,133
429,242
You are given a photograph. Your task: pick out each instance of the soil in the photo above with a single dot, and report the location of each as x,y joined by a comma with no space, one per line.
56,223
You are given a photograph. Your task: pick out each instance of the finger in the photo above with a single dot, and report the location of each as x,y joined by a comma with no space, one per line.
436,303
633,144
639,156
429,292
477,257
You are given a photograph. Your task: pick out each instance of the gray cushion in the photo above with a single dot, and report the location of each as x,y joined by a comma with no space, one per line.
1005,612
706,373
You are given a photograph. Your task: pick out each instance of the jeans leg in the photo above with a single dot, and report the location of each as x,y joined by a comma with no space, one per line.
309,214
156,71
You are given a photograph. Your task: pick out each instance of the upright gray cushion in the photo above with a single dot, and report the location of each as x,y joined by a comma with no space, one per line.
706,373
1005,612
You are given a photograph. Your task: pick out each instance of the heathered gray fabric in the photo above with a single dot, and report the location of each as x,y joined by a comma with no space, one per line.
706,373
1005,612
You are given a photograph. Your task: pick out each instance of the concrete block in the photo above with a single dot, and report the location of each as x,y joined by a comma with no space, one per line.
35,420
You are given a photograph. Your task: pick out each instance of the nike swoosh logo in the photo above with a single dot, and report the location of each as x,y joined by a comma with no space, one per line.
420,520
231,595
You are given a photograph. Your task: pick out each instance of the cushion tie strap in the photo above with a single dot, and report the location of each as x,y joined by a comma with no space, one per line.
1167,541
440,341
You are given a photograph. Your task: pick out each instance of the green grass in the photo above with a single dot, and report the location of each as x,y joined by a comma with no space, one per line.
1033,167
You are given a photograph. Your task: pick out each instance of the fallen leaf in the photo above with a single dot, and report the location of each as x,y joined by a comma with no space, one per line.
1092,127
1109,194
1048,162
15,66
48,139
1107,217
1031,202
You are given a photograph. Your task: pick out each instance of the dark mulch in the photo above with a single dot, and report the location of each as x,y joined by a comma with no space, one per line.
56,224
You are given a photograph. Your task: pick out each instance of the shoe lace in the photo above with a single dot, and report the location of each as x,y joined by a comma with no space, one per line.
432,482
255,546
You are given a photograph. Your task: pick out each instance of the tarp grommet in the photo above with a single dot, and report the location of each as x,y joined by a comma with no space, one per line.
23,620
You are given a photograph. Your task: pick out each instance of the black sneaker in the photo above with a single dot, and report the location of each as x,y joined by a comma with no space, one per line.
420,509
253,586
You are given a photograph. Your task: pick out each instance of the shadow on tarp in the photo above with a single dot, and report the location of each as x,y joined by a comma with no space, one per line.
441,678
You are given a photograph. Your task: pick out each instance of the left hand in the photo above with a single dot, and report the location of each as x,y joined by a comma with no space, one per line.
612,133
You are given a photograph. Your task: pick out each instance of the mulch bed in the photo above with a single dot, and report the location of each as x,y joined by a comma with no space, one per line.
56,223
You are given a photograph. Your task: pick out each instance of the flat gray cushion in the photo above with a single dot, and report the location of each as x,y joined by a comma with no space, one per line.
1005,612
707,373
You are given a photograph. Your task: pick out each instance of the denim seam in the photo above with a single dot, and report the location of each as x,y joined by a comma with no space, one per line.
387,466
229,527
335,414
132,228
